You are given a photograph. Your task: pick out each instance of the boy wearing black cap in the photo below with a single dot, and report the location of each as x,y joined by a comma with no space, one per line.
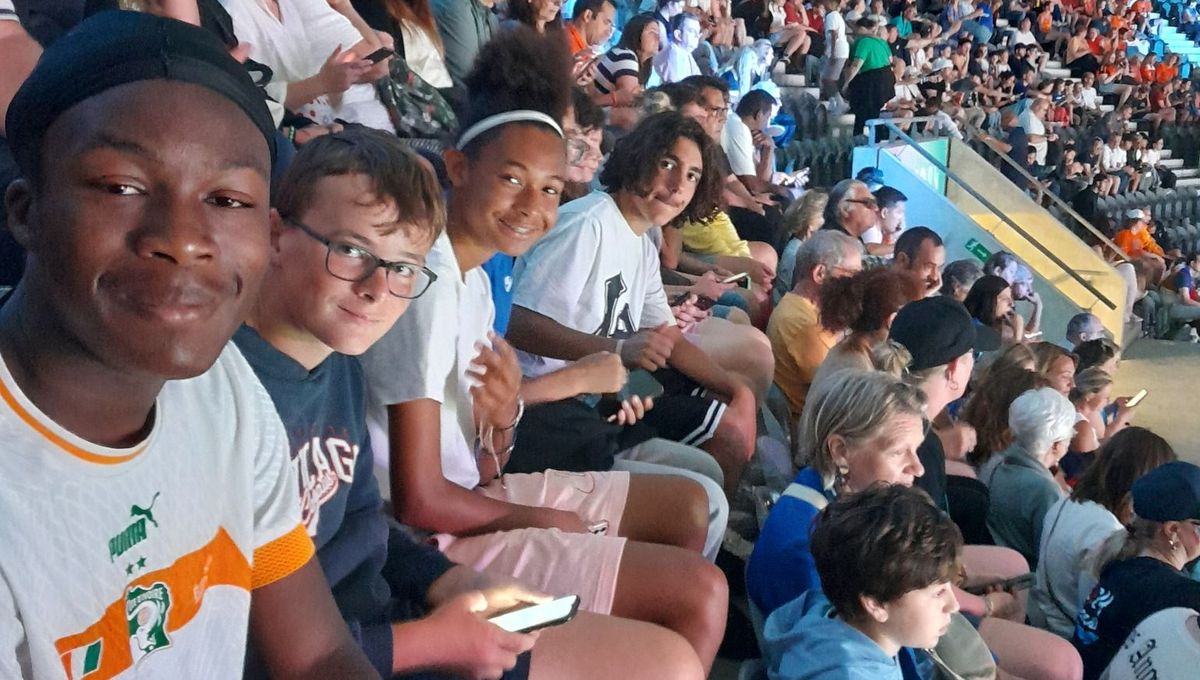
151,504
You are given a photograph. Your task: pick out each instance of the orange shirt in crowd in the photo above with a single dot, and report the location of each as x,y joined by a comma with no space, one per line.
1165,73
1117,23
1145,74
1136,244
575,39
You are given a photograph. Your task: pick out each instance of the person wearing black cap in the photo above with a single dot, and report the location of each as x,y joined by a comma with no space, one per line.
941,338
1140,570
153,504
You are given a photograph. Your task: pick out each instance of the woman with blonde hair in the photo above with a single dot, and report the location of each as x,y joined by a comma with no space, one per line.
802,219
1056,365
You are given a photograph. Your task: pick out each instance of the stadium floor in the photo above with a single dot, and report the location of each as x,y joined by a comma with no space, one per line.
1171,372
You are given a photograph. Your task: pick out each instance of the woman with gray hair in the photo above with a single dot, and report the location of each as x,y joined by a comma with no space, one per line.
1022,483
859,427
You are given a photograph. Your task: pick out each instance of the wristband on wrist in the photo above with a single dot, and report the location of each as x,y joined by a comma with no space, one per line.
516,418
987,606
620,344
291,133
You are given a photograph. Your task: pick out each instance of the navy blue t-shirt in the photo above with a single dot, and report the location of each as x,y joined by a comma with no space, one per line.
1128,592
378,574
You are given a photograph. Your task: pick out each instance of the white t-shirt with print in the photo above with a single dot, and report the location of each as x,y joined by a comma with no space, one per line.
426,355
592,274
139,562
839,47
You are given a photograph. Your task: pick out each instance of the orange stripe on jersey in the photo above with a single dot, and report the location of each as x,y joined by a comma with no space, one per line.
219,563
57,440
282,557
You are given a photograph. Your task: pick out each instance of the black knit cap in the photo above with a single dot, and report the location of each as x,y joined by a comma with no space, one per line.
114,48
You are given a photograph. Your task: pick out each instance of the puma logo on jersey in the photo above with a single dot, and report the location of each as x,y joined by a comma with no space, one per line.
136,531
148,512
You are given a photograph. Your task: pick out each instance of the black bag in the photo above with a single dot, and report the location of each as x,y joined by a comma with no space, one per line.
572,436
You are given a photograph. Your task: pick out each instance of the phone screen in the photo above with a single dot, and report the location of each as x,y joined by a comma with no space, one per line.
1137,398
537,616
379,55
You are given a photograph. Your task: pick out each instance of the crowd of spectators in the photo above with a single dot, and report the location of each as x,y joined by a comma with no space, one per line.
336,329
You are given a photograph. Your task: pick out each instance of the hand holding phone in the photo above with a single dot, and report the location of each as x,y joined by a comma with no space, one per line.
379,55
528,617
1137,398
1022,582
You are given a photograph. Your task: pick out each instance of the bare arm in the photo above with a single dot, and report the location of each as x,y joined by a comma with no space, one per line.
300,607
539,334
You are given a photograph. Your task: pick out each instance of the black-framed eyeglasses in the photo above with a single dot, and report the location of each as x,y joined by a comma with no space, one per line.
869,202
349,262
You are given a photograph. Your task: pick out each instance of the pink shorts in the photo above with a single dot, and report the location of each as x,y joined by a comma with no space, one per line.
549,560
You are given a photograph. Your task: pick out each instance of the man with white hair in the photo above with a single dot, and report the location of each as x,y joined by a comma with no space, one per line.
851,209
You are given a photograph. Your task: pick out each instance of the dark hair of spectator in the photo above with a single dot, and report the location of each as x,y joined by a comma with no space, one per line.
1094,353
1127,456
417,12
702,81
987,410
882,543
755,102
524,12
960,273
588,115
593,6
864,303
395,172
981,301
631,39
678,20
636,157
681,94
889,197
517,69
910,241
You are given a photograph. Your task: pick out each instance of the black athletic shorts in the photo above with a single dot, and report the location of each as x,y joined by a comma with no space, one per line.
684,413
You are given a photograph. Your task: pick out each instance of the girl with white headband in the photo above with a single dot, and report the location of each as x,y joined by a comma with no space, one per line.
444,399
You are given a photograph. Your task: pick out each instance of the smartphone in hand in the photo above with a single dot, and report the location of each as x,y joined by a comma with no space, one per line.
530,617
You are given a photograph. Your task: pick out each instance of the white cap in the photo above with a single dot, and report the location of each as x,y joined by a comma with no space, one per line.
941,63
1136,214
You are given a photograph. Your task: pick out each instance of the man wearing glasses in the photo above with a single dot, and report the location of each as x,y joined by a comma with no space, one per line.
356,215
851,209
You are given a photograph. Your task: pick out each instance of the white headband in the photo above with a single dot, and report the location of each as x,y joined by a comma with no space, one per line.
520,115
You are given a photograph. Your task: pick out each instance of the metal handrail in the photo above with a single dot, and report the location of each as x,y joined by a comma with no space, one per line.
890,123
1104,240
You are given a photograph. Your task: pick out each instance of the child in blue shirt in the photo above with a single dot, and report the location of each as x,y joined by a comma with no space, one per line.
886,556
